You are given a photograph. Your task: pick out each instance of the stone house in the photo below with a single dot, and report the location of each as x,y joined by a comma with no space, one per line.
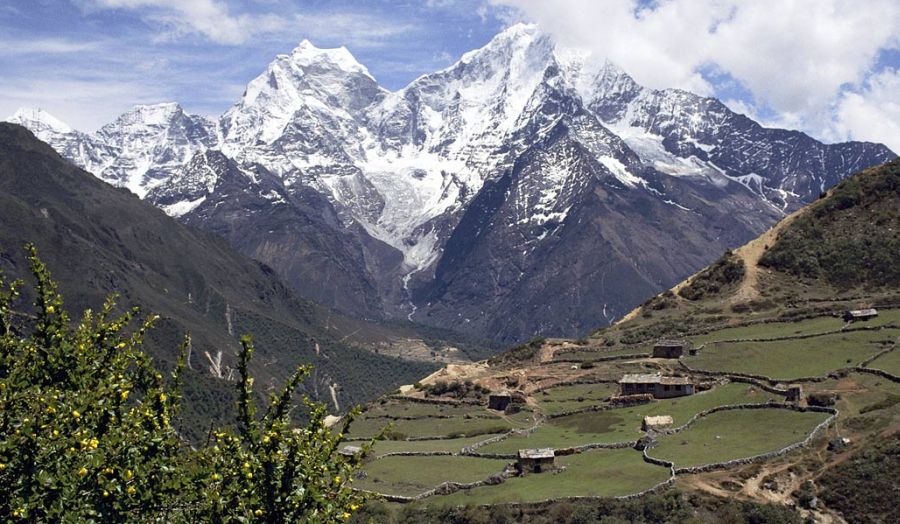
669,348
659,422
535,460
499,401
855,315
656,385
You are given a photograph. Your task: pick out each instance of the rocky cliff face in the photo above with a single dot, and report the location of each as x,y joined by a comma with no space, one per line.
527,189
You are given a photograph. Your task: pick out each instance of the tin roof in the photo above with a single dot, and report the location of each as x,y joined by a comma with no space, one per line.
637,378
541,453
863,312
661,420
671,343
674,381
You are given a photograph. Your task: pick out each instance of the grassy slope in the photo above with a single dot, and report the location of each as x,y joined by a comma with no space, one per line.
598,473
729,435
413,475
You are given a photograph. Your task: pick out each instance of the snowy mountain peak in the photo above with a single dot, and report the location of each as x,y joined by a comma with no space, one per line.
306,54
37,119
161,114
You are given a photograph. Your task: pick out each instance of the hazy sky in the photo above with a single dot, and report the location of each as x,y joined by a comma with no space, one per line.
828,67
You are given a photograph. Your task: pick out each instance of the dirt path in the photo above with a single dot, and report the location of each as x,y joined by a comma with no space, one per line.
751,252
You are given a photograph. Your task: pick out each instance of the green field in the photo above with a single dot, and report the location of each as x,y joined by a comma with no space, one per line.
568,398
624,424
729,435
772,330
451,444
593,354
596,473
400,408
889,362
367,427
788,359
408,476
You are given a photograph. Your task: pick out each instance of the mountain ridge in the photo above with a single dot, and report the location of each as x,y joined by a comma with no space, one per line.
397,173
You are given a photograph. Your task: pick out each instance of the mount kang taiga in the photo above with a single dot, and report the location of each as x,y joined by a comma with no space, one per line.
526,189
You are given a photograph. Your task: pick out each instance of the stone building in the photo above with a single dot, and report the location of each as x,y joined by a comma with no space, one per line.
855,315
656,385
669,348
535,460
656,423
499,401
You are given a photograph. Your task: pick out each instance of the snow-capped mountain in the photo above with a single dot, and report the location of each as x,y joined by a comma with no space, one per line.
525,189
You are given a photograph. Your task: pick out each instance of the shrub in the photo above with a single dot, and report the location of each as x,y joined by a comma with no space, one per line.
86,431
721,275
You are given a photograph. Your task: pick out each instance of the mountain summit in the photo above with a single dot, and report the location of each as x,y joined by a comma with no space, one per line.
526,189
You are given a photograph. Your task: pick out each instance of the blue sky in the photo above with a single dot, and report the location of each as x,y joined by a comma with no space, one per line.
829,67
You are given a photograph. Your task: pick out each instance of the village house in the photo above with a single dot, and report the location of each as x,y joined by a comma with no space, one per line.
535,460
656,423
794,393
855,315
657,385
499,401
669,348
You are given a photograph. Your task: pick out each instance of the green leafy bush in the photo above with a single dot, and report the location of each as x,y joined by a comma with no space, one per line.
86,431
721,275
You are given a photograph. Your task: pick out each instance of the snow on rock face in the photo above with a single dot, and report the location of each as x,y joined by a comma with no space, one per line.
406,166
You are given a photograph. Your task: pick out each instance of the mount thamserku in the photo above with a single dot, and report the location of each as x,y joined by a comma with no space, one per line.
526,189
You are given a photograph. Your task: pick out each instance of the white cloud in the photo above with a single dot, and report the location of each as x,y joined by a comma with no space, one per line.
350,29
873,113
44,46
796,57
210,18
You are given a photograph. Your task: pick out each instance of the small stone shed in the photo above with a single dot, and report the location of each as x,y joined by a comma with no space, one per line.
350,451
855,315
794,393
659,422
670,348
499,401
535,460
656,385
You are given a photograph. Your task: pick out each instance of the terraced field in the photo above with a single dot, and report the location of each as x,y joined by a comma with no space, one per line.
570,398
367,427
586,354
789,359
729,435
455,445
596,473
624,424
410,476
772,330
889,362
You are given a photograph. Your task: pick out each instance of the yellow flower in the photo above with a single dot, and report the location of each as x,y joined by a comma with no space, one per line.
346,516
121,345
354,507
2,466
215,476
55,432
51,409
266,439
124,395
107,471
131,490
162,397
258,513
76,415
128,474
50,310
337,479
82,472
249,475
246,465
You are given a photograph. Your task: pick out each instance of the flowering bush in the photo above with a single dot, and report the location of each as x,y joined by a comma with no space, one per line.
86,431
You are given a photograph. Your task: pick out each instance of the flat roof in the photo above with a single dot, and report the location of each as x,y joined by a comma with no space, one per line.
675,381
536,453
671,343
638,378
863,312
660,420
